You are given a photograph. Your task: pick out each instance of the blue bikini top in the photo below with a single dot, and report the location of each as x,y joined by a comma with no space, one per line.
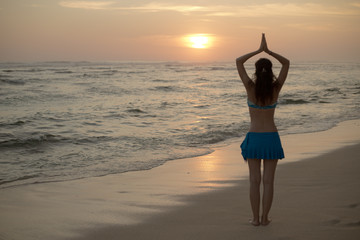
253,105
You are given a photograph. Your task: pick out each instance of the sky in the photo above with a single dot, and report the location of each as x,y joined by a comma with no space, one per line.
159,30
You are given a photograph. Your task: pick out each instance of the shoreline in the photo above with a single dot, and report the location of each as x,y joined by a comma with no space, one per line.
66,210
216,147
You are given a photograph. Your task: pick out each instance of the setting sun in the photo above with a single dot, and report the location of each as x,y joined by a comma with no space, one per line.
198,41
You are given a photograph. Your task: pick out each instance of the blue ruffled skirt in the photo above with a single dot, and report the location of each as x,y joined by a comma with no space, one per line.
262,145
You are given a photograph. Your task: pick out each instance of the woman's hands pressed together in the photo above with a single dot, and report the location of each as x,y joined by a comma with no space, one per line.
263,45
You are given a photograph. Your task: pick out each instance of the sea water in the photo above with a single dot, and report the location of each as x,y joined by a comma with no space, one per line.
68,120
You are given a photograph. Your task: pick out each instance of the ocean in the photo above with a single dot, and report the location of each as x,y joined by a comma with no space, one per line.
68,120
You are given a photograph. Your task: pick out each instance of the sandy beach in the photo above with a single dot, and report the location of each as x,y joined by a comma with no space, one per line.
316,197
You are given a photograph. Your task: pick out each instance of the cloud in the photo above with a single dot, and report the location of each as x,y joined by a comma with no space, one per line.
276,9
312,27
255,10
86,4
355,4
151,7
158,7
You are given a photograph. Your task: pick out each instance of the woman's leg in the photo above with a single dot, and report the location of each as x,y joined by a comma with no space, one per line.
255,180
268,181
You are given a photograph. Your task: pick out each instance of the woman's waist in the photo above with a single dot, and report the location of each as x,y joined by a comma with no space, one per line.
263,127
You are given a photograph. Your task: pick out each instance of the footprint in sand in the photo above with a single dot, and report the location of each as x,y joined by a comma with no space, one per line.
354,205
351,224
333,222
343,223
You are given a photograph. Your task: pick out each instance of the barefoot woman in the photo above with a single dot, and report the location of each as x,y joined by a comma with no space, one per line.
262,141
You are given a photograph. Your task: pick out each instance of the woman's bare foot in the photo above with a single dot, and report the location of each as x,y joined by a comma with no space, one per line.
265,221
254,222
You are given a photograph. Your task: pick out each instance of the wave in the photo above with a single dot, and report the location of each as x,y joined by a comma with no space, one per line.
202,106
288,101
133,72
222,69
166,104
335,89
201,80
114,115
108,90
109,72
46,138
332,91
166,89
64,71
93,139
30,141
135,110
13,82
31,70
161,80
12,124
100,68
64,62
22,178
216,134
90,75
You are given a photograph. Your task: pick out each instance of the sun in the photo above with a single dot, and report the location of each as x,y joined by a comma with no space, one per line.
198,41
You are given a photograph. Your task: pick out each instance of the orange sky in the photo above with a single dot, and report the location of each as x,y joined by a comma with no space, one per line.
52,30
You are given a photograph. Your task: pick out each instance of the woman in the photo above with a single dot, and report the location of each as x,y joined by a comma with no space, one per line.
262,141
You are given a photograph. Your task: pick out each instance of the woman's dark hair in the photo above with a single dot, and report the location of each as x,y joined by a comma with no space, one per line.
264,80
